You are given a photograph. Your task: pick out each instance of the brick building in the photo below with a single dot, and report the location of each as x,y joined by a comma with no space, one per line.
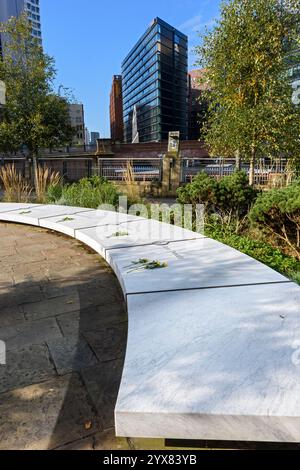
196,109
112,149
116,109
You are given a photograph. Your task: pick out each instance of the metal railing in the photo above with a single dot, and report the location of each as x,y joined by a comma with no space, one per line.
116,169
266,173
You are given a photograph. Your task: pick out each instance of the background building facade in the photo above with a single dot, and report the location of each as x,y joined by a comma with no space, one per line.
87,136
116,109
154,77
196,106
9,8
76,112
94,137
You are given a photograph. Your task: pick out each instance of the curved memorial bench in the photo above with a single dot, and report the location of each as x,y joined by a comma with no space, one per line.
214,336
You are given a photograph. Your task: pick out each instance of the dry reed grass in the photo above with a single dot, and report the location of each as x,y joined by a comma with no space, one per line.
16,187
44,177
131,186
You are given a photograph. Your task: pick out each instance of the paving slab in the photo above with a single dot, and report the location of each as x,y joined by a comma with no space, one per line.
54,290
213,364
92,318
193,264
102,383
51,307
15,295
71,354
108,343
46,415
27,333
26,366
10,315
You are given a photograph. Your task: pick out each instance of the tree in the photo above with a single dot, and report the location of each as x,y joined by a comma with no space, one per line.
247,54
34,116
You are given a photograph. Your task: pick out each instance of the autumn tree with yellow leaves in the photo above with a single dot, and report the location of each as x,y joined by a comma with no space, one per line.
247,56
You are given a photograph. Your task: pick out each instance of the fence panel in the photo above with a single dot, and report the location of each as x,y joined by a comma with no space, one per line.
19,164
116,169
266,173
71,169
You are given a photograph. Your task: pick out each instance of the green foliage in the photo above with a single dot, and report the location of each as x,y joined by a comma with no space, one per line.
54,193
33,116
202,190
229,196
277,212
259,250
251,113
88,192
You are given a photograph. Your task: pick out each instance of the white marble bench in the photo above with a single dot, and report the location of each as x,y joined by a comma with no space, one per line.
213,347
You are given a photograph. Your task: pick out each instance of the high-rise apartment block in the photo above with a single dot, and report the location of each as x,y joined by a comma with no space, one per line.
9,8
116,109
155,87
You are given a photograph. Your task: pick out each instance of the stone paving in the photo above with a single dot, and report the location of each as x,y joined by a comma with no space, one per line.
64,322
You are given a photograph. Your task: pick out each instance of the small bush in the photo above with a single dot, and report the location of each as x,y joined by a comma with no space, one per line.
54,193
202,190
277,213
88,192
230,197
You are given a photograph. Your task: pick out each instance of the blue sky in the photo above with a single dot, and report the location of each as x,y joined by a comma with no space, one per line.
90,38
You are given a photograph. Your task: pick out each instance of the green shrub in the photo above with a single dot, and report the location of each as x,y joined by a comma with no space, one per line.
54,193
231,196
202,190
261,251
88,192
234,194
277,213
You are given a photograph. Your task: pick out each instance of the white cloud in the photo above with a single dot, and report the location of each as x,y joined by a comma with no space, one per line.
192,24
196,24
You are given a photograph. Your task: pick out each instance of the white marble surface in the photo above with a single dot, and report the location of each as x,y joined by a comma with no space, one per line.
192,264
213,364
33,213
108,217
14,206
214,337
81,218
131,234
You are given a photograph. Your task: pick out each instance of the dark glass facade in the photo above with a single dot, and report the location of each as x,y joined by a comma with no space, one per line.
155,82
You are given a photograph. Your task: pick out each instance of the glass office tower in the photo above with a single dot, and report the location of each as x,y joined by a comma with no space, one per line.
9,8
155,84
